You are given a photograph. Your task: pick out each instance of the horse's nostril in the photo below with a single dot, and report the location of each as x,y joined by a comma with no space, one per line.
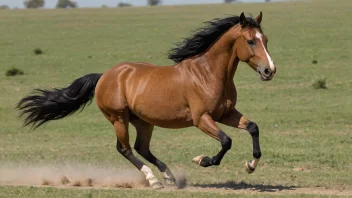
275,71
266,71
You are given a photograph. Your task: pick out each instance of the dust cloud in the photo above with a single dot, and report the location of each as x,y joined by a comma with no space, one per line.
77,175
71,175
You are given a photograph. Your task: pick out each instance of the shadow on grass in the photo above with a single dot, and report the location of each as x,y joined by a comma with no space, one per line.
231,185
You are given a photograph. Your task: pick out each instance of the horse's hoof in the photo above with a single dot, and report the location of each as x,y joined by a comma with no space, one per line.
157,185
198,159
249,168
170,181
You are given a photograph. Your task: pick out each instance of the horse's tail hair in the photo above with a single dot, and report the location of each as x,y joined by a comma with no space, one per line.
52,104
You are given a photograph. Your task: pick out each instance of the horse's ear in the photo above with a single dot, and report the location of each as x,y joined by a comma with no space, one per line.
243,20
259,18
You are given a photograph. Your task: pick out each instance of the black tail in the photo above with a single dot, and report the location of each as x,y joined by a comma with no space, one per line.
54,104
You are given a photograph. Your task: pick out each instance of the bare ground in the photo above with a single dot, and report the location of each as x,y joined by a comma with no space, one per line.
83,177
71,176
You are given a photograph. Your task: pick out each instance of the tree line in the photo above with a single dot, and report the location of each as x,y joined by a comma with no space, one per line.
41,4
73,4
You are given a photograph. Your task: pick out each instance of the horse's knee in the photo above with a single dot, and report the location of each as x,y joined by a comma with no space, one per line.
226,141
253,129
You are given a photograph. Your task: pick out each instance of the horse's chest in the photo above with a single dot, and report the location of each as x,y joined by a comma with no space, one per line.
222,108
220,100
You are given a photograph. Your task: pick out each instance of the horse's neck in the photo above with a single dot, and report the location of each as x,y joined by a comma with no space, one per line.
221,59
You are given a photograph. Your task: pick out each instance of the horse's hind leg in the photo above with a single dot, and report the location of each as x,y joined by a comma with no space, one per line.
142,145
120,123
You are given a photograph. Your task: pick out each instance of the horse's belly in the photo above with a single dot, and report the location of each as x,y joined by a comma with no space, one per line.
166,117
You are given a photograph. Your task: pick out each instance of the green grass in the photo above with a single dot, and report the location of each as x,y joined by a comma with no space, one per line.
300,126
25,192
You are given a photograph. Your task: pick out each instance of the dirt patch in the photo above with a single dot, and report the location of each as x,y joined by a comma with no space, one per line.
85,177
71,175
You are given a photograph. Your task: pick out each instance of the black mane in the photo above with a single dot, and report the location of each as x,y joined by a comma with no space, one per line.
205,37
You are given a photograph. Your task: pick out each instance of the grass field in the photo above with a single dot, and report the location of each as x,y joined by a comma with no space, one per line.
306,134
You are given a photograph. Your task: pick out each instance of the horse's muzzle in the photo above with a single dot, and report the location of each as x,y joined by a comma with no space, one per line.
266,74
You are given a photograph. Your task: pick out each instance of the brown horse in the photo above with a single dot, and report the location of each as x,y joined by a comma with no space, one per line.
197,91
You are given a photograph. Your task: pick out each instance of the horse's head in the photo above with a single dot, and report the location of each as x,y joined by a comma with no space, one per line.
251,47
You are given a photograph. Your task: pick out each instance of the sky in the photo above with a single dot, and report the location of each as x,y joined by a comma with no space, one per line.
113,3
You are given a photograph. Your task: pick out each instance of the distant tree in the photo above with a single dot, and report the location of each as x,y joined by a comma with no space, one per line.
66,4
104,6
122,4
267,0
154,2
34,3
229,1
4,7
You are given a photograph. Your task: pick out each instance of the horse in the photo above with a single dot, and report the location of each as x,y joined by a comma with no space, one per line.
198,90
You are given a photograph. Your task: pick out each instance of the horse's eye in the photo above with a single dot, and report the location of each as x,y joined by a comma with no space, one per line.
250,42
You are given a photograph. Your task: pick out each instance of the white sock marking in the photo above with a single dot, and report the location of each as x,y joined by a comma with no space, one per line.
254,163
149,175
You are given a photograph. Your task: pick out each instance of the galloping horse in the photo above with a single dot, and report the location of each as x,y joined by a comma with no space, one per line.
197,91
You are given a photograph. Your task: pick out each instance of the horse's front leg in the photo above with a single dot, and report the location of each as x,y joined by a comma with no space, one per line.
237,120
208,126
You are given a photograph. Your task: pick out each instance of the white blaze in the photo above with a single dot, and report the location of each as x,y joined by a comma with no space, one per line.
260,37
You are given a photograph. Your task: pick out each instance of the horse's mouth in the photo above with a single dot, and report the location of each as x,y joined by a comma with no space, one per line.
264,78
